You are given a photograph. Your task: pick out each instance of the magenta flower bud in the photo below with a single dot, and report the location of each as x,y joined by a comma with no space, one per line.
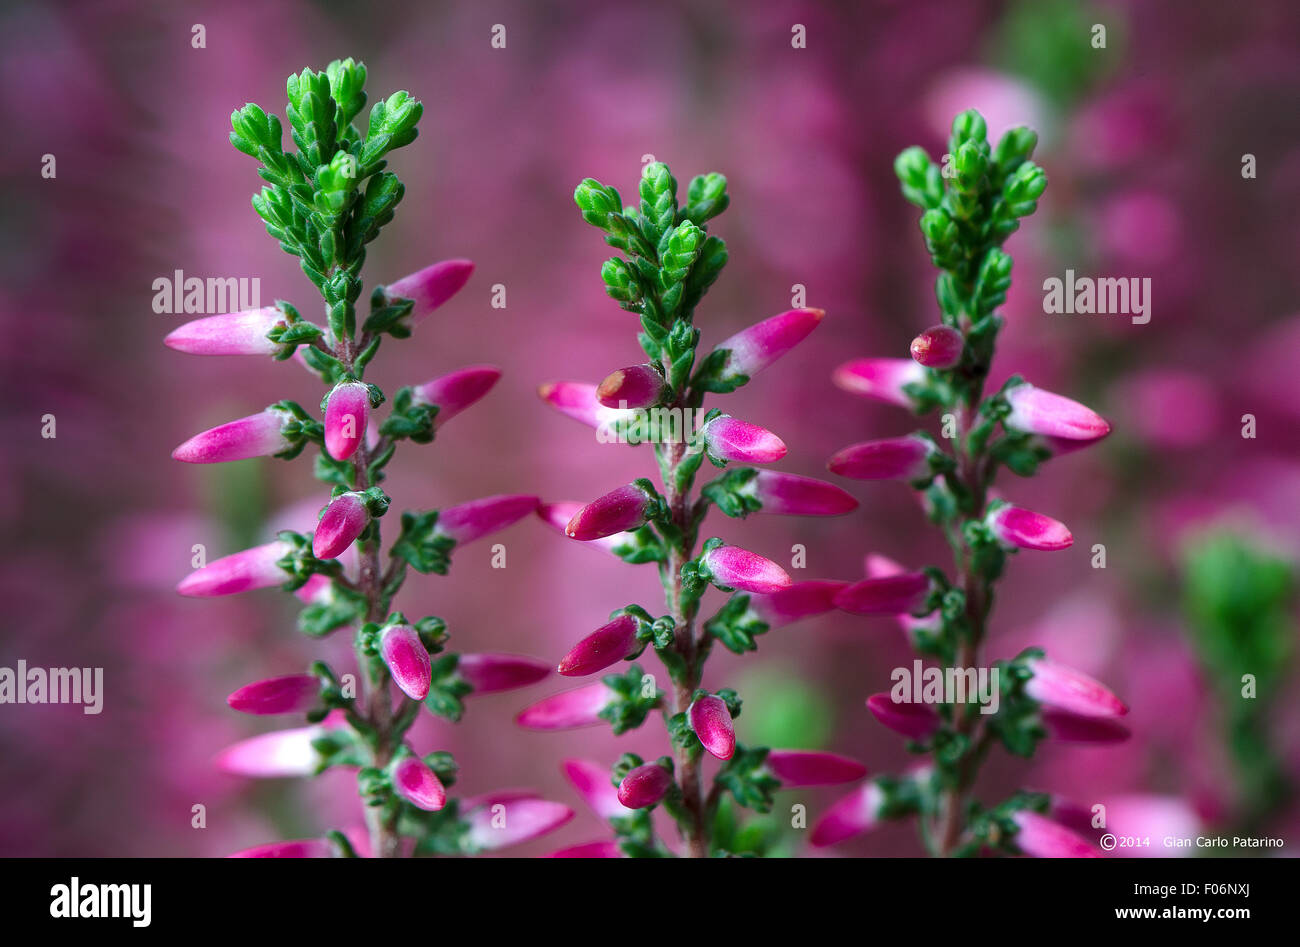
347,412
251,569
639,386
886,595
293,693
579,401
880,378
728,438
607,645
493,673
231,333
1040,837
258,435
568,710
430,287
793,495
557,516
478,518
893,458
711,721
605,849
512,822
796,768
752,350
644,786
938,347
280,753
736,568
297,848
591,781
1072,728
1063,688
618,511
455,392
342,522
1013,526
407,659
797,601
419,785
916,721
854,814
1036,411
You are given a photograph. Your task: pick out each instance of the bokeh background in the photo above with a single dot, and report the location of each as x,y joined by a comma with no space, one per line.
1143,143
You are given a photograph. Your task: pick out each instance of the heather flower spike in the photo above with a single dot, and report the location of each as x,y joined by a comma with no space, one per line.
668,262
326,203
967,209
258,435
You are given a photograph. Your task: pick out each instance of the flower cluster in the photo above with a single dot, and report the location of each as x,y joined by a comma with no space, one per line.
670,261
970,206
324,203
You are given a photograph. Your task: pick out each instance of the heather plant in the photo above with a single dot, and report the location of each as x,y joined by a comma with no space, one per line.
669,262
325,203
971,203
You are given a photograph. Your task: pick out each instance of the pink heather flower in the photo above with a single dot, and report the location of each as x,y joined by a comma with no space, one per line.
504,823
880,378
939,347
797,601
569,709
1073,728
607,645
1036,411
639,386
493,673
893,458
455,392
886,595
478,518
752,350
728,438
419,785
279,753
231,333
298,848
855,813
736,568
1040,837
258,435
293,693
619,511
644,786
796,768
579,401
430,287
347,412
711,721
605,849
591,781
917,721
793,495
1063,688
251,569
877,566
557,515
407,659
1014,526
342,522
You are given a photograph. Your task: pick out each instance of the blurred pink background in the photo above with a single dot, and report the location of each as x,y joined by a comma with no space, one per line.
1143,145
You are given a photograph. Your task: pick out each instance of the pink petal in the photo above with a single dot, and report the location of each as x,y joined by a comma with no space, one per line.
407,660
855,813
430,287
638,386
231,333
258,435
342,522
792,495
511,823
880,378
591,781
887,595
493,673
569,709
729,438
796,768
1026,529
250,569
753,349
711,721
293,693
939,347
347,412
457,391
1063,688
1040,837
419,785
917,721
738,568
894,458
619,511
644,786
1037,411
478,518
797,601
605,646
